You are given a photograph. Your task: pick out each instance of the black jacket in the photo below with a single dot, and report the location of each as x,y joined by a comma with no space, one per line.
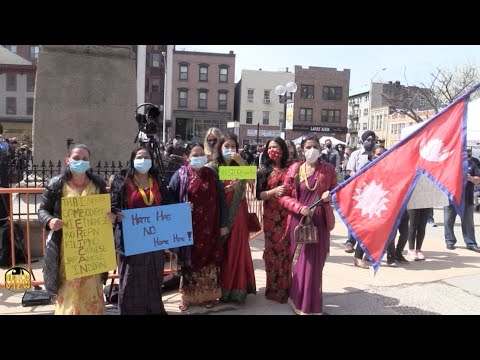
50,208
118,196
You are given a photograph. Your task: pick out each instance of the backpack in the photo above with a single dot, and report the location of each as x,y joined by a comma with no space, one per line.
5,251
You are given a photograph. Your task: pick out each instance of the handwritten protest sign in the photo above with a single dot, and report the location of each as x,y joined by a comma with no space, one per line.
156,228
237,172
88,245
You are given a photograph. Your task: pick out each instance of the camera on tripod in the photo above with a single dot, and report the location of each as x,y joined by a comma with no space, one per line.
147,123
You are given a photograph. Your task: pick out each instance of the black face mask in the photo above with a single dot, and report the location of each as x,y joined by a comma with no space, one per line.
212,143
329,146
368,146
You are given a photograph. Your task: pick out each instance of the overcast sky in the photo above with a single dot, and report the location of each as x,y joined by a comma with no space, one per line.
365,62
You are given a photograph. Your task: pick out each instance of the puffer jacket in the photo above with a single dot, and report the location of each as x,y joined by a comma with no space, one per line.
50,208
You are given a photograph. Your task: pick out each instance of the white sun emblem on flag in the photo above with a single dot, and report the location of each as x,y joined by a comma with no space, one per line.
371,199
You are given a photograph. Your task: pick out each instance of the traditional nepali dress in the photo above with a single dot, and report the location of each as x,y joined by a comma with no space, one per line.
84,295
308,259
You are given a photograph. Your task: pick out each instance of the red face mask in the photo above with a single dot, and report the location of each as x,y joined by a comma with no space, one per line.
274,154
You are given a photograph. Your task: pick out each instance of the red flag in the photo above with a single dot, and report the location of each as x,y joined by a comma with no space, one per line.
371,202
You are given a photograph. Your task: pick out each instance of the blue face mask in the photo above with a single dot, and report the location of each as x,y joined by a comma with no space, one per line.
79,166
142,165
196,162
226,153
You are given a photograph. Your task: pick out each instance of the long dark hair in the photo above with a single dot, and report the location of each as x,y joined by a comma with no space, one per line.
67,173
190,147
224,138
266,170
292,144
153,170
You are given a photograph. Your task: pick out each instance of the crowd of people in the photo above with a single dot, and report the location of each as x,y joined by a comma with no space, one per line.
218,267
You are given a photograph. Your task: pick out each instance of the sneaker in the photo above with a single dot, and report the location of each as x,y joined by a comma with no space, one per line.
412,254
349,248
391,263
450,247
399,258
474,248
420,255
432,223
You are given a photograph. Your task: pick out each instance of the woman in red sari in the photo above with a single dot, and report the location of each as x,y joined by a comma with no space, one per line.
237,276
200,262
270,187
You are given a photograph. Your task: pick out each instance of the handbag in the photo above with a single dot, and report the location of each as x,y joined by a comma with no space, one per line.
253,223
306,232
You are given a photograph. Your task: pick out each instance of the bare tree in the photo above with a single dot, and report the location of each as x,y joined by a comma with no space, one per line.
444,87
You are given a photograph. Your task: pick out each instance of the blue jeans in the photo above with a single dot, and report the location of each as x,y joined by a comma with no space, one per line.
468,227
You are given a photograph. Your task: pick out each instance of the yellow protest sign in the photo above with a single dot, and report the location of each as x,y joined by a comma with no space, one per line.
237,172
88,245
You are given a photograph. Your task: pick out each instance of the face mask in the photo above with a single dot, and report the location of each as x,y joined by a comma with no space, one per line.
368,146
311,155
273,154
196,162
79,166
142,165
226,153
329,146
212,143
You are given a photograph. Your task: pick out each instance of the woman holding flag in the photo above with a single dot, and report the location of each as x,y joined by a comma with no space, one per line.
306,183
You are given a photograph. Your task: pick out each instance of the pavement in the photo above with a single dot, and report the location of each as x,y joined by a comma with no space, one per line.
446,283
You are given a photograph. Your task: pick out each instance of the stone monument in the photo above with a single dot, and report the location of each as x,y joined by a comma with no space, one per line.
86,93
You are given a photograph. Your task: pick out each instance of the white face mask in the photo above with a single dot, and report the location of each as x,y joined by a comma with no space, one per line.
311,155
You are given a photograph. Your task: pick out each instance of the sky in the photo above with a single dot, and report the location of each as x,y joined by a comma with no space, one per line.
405,63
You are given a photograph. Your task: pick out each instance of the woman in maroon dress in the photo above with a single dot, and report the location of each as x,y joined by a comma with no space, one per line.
277,247
200,262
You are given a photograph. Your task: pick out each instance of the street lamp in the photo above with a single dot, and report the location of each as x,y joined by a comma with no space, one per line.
283,92
164,94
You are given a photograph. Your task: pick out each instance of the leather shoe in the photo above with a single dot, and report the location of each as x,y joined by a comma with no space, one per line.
450,247
474,248
349,248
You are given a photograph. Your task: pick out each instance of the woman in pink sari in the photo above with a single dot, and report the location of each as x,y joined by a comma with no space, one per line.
306,182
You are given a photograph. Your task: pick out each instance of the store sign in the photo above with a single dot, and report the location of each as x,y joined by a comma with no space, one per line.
324,129
264,133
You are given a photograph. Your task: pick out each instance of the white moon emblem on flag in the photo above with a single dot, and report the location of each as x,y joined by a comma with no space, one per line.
371,199
434,150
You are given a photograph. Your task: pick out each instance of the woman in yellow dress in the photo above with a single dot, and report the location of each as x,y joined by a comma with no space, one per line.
80,296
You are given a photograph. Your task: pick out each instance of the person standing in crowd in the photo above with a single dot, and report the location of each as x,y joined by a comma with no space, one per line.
210,143
306,182
300,154
270,188
237,275
84,295
292,152
247,155
357,160
343,166
450,214
200,262
330,155
175,153
141,275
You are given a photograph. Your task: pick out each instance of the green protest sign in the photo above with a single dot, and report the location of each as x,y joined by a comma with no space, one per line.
237,172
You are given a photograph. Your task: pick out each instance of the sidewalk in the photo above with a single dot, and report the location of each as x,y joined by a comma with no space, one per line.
447,282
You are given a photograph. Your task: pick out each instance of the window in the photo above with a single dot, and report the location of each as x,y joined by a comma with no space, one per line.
183,72
182,98
29,106
11,105
12,48
223,76
222,100
266,96
266,117
11,82
202,99
365,112
33,52
307,92
156,47
250,95
332,93
364,126
367,97
203,76
306,114
155,85
331,116
249,117
155,60
30,82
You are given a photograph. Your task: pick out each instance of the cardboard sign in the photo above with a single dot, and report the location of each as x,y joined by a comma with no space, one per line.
157,228
88,244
